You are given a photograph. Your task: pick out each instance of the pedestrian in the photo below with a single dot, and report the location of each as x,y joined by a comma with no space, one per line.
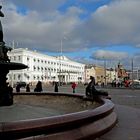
56,87
38,87
10,95
73,86
18,88
27,88
10,89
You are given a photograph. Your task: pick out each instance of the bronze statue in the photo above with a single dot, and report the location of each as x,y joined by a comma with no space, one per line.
1,31
6,92
3,48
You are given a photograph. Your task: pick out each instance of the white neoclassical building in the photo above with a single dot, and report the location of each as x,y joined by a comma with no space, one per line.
45,68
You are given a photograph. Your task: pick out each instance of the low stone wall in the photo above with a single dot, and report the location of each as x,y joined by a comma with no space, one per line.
87,124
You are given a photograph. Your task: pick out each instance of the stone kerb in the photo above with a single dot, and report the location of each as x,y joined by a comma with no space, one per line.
80,125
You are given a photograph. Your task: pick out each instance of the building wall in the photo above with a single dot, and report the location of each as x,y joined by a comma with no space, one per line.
44,68
136,74
111,75
89,71
100,74
121,71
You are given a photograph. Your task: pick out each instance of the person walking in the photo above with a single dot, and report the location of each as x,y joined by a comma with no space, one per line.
27,88
18,88
56,87
38,87
73,86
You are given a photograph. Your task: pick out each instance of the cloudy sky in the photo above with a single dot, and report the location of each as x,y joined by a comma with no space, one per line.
87,30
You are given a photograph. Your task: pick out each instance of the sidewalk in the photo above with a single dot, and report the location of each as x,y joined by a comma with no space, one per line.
128,126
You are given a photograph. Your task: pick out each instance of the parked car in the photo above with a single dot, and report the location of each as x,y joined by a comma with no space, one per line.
136,84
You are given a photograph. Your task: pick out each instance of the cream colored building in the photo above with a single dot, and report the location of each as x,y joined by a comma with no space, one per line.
101,74
89,71
111,75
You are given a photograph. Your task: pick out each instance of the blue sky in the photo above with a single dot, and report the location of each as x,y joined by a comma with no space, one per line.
89,30
88,6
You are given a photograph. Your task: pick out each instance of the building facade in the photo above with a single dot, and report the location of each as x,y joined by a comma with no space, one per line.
122,74
135,75
44,68
102,75
111,75
89,71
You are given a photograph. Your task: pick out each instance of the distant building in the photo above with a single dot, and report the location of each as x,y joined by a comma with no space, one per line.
101,74
44,68
121,72
89,71
136,74
111,74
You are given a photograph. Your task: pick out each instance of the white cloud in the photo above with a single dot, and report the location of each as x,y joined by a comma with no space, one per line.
109,55
43,26
36,31
116,23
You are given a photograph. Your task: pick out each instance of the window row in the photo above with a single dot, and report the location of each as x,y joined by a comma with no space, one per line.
18,58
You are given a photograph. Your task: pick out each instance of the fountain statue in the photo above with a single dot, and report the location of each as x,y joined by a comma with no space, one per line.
6,92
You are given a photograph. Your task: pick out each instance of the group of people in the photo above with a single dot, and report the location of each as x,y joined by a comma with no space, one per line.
90,90
38,87
56,85
18,86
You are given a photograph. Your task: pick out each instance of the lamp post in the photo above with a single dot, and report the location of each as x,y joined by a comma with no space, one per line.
132,65
105,71
61,46
60,57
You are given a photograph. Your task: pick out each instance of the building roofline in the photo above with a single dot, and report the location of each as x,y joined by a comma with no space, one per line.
63,58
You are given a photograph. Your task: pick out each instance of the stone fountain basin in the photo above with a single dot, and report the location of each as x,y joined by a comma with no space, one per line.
32,106
56,104
87,123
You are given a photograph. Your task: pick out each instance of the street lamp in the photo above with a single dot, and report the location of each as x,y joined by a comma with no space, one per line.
61,44
105,70
132,65
60,57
